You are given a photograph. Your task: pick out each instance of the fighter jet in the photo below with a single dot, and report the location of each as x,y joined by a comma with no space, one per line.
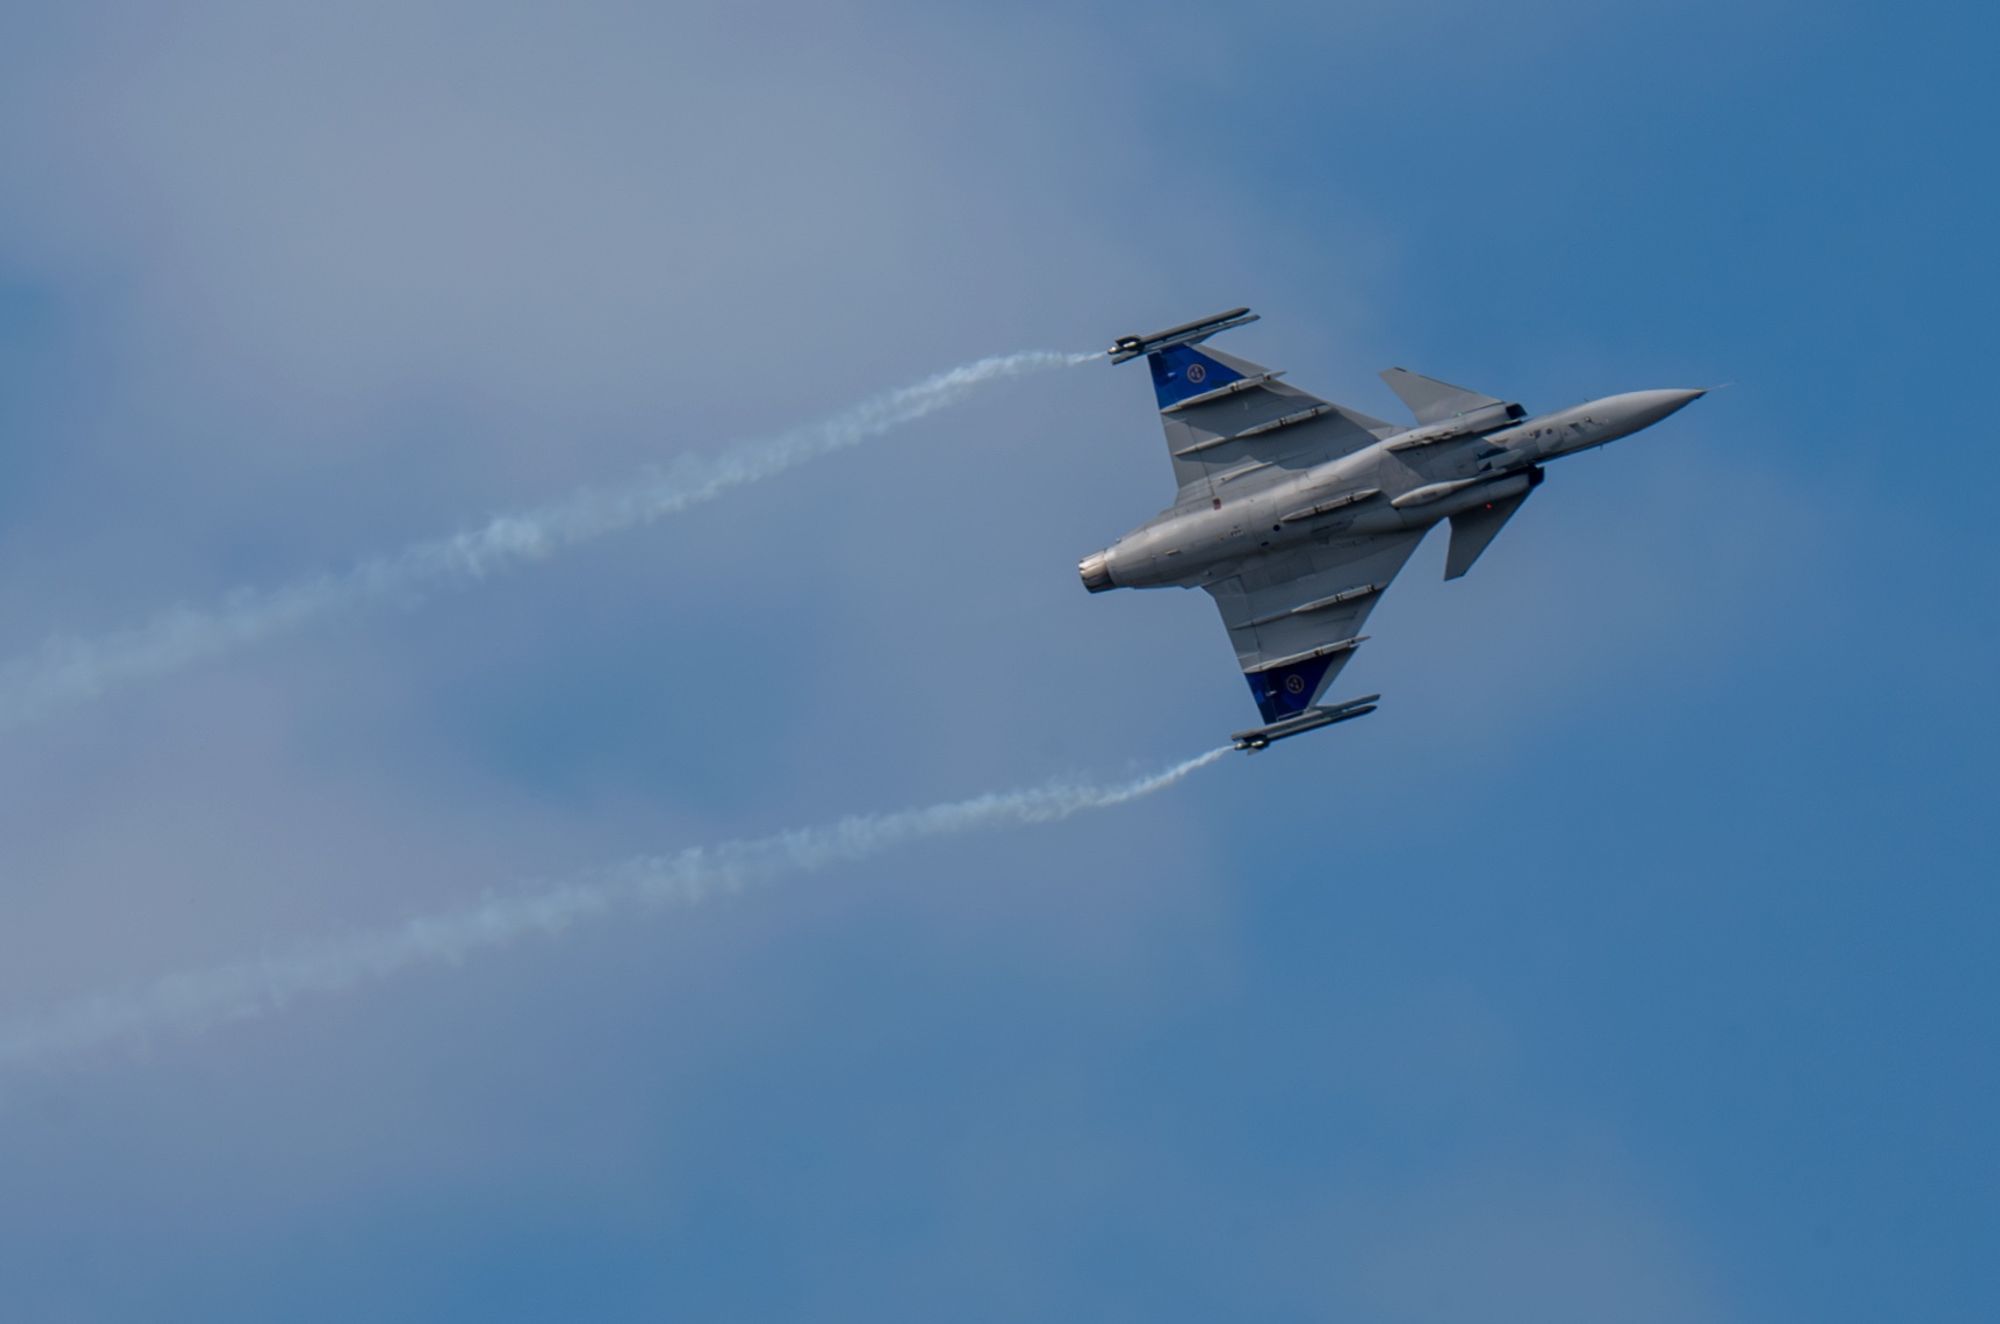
1296,514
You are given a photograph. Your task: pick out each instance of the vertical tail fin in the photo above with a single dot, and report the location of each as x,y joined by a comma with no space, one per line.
1473,530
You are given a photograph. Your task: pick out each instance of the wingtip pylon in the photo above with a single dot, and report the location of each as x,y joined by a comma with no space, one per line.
1126,348
1312,719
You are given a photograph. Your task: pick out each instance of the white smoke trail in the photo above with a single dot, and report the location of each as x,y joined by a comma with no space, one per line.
68,670
198,1000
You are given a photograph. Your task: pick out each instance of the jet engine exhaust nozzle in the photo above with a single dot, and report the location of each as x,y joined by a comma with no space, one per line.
1095,570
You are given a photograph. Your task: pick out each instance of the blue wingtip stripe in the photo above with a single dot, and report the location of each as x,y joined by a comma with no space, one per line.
1183,371
1288,690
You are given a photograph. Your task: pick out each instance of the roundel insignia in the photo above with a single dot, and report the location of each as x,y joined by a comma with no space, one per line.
1197,374
1295,684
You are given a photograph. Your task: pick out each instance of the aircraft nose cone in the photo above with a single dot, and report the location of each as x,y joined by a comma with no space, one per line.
1636,410
1656,405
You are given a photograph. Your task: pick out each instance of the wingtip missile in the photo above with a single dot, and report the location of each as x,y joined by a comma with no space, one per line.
1187,333
1312,719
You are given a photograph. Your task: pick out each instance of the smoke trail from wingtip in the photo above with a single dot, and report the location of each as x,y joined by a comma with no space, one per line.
194,1001
68,670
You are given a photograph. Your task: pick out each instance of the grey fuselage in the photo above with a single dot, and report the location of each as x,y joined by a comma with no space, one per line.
1404,482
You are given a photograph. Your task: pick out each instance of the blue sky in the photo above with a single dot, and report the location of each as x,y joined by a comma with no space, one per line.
1633,962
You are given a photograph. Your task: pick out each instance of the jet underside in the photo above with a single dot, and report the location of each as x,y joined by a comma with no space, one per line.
1296,514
